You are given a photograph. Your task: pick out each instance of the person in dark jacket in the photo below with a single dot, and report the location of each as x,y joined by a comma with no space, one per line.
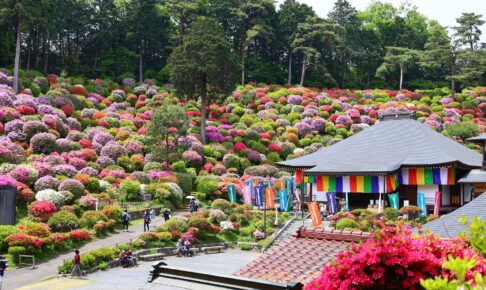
146,221
166,214
3,266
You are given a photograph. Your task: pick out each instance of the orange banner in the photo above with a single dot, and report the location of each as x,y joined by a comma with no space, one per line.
269,198
315,214
281,184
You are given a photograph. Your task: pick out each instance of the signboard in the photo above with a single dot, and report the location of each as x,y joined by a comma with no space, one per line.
479,188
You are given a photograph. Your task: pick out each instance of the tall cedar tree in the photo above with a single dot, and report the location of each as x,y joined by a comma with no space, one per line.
397,57
204,58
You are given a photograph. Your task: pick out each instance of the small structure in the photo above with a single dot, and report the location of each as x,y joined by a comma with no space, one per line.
448,226
301,257
398,154
8,196
474,182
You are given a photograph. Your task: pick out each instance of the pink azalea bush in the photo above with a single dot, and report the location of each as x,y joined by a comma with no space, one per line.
394,258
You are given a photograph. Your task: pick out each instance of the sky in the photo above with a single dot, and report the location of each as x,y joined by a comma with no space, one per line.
444,11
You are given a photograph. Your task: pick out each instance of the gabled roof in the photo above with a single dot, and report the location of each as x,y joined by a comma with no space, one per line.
474,176
479,138
384,148
301,257
449,226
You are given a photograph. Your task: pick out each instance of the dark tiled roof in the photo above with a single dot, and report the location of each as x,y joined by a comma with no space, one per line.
384,148
479,138
301,257
449,226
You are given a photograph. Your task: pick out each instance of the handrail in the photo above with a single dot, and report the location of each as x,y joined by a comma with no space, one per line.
160,269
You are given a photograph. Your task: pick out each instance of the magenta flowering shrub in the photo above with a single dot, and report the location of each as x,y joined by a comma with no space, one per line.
88,201
43,143
72,185
113,150
394,259
7,180
46,182
64,169
192,158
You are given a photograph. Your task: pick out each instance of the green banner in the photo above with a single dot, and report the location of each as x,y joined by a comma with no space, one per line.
231,193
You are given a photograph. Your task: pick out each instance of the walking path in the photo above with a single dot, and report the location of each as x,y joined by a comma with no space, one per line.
17,278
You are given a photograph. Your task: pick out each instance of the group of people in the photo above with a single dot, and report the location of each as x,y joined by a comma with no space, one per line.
147,219
184,247
127,259
193,205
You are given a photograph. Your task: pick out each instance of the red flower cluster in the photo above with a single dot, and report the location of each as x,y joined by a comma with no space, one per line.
393,258
275,148
78,235
42,209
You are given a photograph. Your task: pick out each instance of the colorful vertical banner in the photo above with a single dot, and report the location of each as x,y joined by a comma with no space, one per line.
394,202
281,184
331,202
437,202
232,193
315,214
247,194
421,204
298,176
269,198
258,195
284,200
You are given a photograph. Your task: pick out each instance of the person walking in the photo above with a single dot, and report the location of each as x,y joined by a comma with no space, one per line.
125,220
196,204
192,206
146,221
166,214
77,265
3,266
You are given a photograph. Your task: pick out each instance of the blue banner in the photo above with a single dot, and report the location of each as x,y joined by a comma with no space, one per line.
421,204
347,202
258,195
232,193
284,200
331,202
393,197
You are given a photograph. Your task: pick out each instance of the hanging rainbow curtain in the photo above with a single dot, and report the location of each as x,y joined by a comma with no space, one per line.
424,176
365,184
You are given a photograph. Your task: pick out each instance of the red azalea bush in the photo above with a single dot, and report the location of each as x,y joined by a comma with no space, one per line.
40,230
78,235
42,210
30,243
393,259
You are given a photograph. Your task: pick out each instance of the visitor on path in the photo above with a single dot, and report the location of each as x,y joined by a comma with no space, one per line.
131,260
77,265
123,259
125,220
196,202
152,214
146,221
180,247
3,266
192,206
166,214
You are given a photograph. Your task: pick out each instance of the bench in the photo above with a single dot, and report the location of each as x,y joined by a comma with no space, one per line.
207,250
178,254
151,257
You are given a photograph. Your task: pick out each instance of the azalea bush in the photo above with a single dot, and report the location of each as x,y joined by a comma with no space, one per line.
394,258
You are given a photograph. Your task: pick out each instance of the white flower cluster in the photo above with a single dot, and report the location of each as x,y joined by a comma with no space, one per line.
217,214
56,197
226,226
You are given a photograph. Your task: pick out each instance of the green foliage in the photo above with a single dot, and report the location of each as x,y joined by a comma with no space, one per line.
185,182
476,234
391,213
103,266
173,225
6,231
63,221
245,246
207,185
179,166
91,217
130,190
462,130
346,223
15,252
221,204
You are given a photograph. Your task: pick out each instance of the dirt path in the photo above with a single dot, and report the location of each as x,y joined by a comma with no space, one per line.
20,277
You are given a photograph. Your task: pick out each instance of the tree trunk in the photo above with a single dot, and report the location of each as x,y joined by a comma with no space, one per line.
243,62
401,78
140,64
46,55
203,108
302,76
453,73
17,56
343,59
289,81
29,54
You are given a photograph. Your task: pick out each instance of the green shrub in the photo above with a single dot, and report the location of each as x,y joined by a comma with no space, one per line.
130,190
245,246
231,245
361,212
247,231
164,236
6,231
200,196
265,243
207,186
179,166
390,213
346,223
91,217
173,225
63,221
15,252
201,223
221,204
103,266
113,212
185,182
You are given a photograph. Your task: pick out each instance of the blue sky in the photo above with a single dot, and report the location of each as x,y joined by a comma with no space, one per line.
444,11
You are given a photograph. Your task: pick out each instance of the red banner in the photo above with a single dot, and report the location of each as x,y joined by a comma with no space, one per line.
315,214
269,198
437,202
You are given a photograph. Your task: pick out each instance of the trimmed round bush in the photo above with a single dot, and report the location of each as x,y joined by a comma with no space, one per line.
6,231
63,221
72,185
46,182
51,195
390,213
221,204
43,143
346,223
173,225
91,217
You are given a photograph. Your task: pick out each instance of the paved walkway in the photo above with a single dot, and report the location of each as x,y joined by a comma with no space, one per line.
136,278
17,278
